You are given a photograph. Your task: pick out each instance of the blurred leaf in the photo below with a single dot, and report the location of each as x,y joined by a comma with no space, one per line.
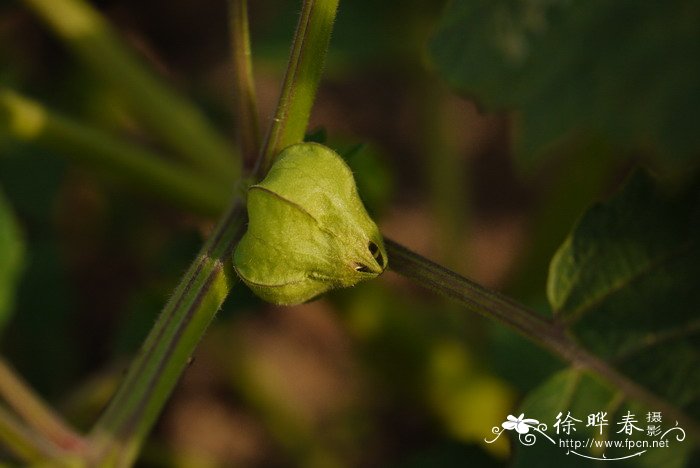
45,298
317,135
11,259
464,398
512,357
31,178
374,179
40,337
625,283
417,359
624,69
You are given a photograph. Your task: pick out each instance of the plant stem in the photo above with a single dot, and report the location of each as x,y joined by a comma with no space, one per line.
118,435
173,118
120,431
35,412
29,121
473,296
24,444
301,81
243,84
548,333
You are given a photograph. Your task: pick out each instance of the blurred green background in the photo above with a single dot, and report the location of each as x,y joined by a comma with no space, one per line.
488,181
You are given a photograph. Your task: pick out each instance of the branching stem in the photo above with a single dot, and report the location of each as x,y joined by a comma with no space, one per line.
118,435
548,333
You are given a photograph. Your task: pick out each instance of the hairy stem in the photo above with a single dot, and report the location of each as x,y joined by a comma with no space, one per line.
118,435
548,333
130,415
180,124
301,81
248,127
39,416
29,121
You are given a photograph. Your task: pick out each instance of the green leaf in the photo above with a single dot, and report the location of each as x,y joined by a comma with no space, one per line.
629,270
375,180
624,69
11,257
625,284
